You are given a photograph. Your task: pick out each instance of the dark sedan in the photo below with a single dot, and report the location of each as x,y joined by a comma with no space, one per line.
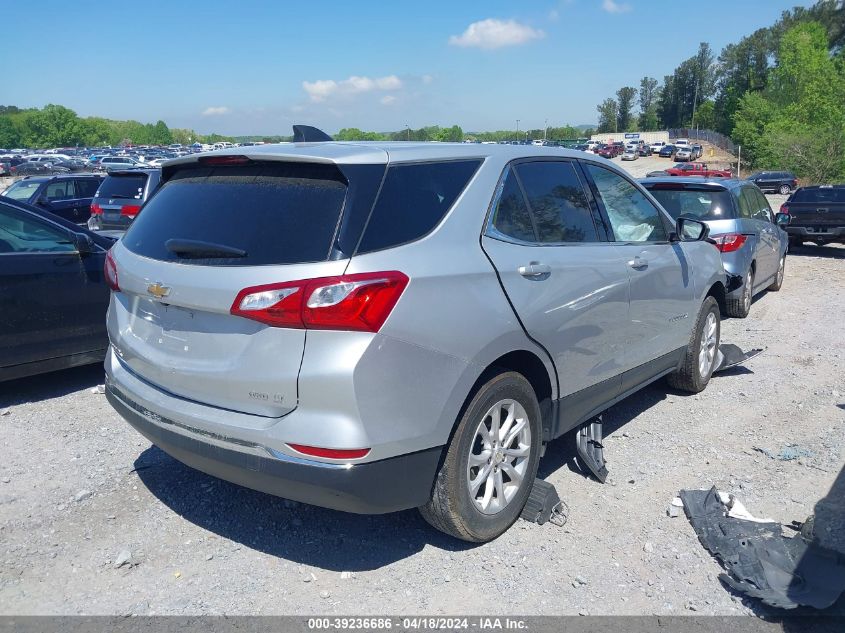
54,299
67,195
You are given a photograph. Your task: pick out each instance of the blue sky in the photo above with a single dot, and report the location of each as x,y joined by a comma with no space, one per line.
256,67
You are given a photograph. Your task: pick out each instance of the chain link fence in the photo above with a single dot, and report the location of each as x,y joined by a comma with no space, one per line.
714,138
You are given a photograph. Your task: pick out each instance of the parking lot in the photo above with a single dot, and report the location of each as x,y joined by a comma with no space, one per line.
95,520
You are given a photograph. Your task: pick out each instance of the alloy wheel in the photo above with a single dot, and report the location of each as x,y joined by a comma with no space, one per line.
709,343
499,456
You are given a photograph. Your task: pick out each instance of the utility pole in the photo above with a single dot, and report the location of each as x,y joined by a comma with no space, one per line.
517,129
409,131
739,161
545,129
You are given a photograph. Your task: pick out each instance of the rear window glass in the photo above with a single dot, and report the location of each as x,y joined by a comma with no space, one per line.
123,186
277,213
834,195
700,204
413,200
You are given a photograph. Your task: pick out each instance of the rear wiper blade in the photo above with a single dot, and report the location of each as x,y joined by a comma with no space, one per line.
198,249
118,195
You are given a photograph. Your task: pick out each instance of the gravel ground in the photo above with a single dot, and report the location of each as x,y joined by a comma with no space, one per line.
95,520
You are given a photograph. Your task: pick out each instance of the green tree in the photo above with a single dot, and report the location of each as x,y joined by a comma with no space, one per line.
648,95
625,106
608,112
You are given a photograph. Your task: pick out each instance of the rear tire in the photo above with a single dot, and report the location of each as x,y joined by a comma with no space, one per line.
702,351
785,190
778,281
739,307
479,467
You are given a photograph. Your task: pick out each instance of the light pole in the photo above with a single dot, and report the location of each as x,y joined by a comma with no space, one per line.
409,131
545,129
517,129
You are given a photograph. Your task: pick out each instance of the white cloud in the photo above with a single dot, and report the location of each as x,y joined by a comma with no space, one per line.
427,79
322,89
611,6
554,15
215,111
387,100
492,33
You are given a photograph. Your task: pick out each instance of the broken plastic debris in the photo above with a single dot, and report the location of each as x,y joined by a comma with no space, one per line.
760,561
98,389
787,453
730,355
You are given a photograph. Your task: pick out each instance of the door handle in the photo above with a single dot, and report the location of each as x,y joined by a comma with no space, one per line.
534,269
638,263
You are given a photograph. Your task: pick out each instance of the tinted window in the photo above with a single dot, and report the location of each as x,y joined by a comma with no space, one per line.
632,216
278,213
511,216
123,186
558,202
86,187
820,195
60,190
19,233
701,204
746,206
413,200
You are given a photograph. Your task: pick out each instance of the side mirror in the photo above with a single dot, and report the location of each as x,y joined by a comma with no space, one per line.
689,230
782,219
84,244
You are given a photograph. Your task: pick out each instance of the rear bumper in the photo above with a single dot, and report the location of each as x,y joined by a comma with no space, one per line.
817,233
378,487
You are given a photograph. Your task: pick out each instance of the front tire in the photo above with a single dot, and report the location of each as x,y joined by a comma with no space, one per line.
740,307
785,190
490,464
702,350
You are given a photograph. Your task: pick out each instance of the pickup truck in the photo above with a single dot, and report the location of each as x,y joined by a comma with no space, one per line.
698,169
816,214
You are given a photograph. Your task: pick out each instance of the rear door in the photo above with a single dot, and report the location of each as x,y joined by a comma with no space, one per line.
755,223
171,324
567,284
53,300
662,304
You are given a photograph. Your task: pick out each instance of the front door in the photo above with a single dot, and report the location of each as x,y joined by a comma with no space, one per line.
662,304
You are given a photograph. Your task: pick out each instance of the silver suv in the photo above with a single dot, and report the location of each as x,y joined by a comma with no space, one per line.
376,327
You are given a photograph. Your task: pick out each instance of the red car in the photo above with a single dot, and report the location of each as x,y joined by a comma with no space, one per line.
698,169
608,151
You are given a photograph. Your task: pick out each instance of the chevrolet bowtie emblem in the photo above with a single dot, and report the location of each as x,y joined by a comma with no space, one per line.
158,291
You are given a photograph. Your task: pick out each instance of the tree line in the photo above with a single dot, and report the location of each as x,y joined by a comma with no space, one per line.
779,93
58,126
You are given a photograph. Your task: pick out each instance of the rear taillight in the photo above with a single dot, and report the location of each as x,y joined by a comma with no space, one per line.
130,210
359,302
784,208
96,209
110,272
730,242
331,453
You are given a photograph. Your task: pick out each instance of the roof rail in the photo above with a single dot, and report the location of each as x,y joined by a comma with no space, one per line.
309,134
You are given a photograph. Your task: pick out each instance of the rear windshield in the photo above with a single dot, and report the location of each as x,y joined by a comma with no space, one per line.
277,213
701,204
823,194
123,186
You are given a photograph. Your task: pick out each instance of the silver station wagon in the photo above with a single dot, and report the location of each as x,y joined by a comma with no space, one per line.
376,327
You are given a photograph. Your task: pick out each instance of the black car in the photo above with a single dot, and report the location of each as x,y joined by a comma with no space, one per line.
782,182
667,151
68,196
120,198
54,299
644,149
817,214
33,168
